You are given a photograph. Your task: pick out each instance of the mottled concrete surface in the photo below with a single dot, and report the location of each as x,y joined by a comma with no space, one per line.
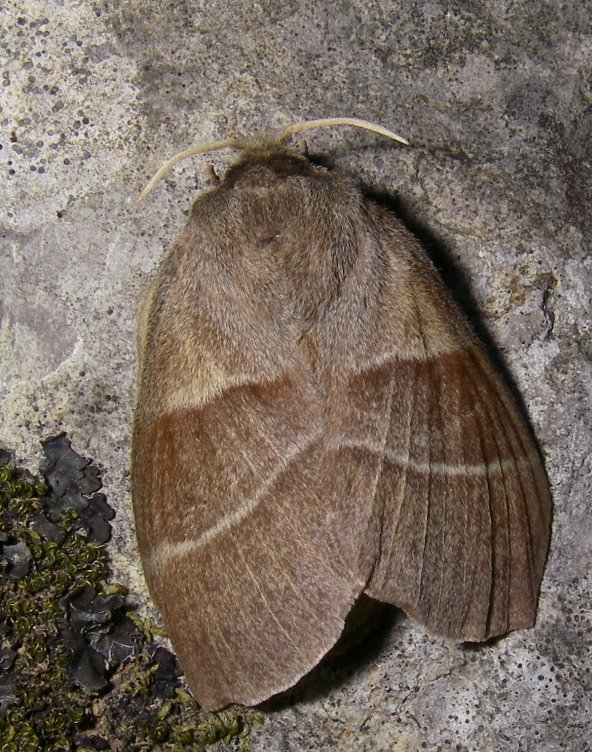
496,100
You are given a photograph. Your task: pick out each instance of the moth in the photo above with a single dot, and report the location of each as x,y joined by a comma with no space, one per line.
316,420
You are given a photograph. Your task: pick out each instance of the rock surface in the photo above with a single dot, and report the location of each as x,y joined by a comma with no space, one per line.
496,100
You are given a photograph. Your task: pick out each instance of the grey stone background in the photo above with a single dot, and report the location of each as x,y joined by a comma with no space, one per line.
496,100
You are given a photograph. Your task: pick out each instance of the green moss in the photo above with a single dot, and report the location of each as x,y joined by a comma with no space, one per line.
78,669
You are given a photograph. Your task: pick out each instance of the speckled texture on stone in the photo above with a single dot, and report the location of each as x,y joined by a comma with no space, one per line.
496,99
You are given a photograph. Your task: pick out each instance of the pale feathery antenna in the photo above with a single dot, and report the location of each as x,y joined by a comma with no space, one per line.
283,135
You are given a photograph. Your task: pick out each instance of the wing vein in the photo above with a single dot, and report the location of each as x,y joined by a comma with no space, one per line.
261,593
379,474
430,490
446,522
489,466
505,423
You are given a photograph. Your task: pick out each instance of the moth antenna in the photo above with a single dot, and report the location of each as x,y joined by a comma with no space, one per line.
290,130
227,143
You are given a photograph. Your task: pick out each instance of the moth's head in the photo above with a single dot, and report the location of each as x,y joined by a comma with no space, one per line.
265,162
267,159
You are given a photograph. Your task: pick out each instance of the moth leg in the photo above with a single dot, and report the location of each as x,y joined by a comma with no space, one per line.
212,176
302,147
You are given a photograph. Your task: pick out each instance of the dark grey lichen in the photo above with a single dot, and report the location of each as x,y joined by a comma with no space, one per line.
79,670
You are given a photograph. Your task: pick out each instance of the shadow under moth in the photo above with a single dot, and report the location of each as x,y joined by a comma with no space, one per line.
316,420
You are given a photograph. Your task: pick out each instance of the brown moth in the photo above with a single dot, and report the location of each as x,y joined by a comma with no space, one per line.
315,420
